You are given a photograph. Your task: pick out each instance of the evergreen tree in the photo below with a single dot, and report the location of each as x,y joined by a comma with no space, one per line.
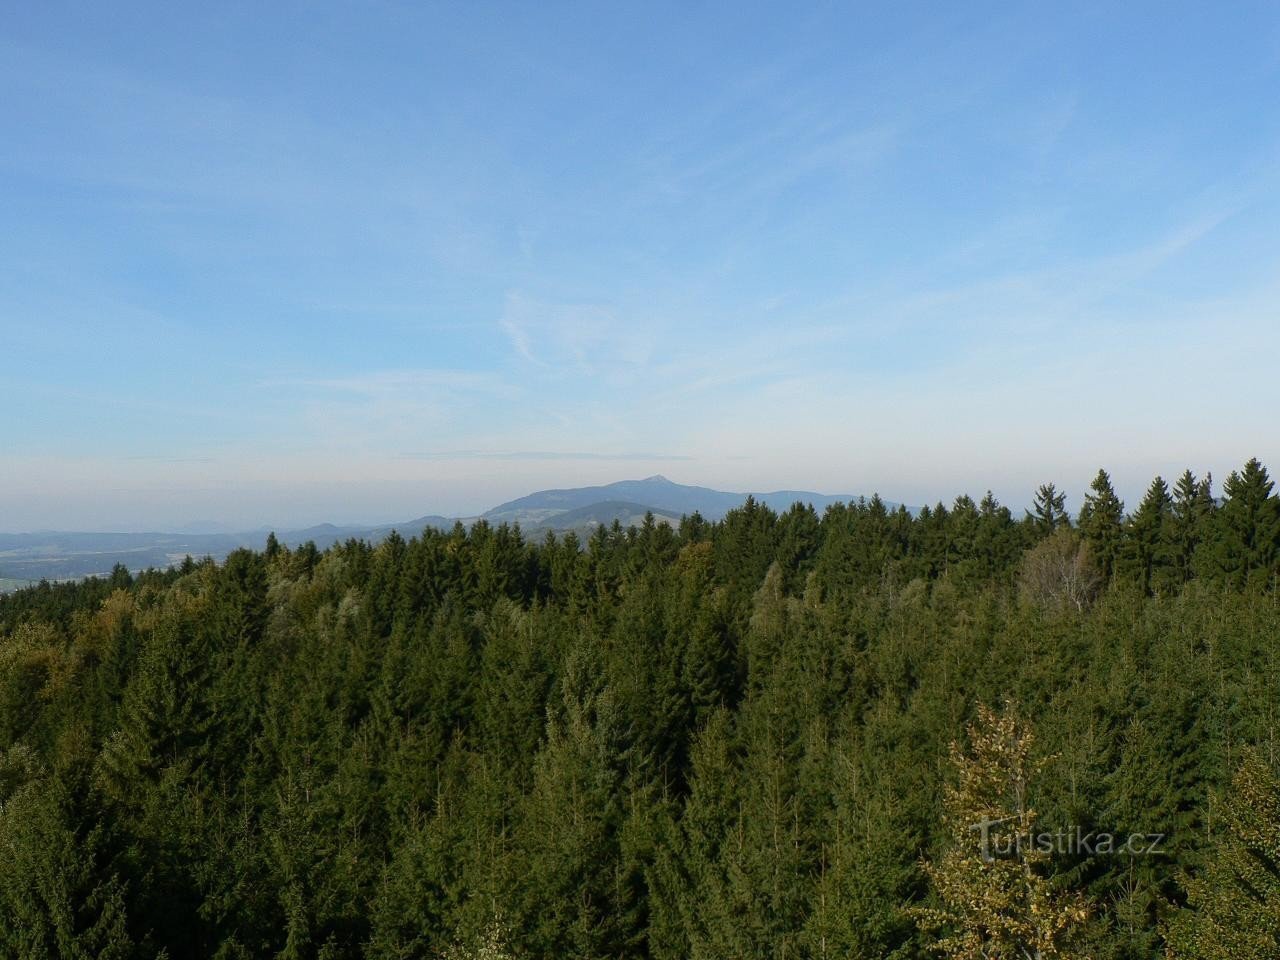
1049,510
1233,905
58,898
999,541
1101,523
713,742
1147,559
1188,525
580,896
1248,548
695,915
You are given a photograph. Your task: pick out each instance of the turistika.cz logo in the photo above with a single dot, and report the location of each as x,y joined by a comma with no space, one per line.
996,842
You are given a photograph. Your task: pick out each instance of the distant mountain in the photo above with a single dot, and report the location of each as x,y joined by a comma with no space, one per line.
659,493
585,520
59,555
325,535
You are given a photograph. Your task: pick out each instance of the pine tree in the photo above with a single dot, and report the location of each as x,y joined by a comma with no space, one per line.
514,682
999,540
579,895
695,911
866,863
166,720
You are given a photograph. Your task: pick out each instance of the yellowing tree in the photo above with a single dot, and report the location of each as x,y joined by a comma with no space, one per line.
996,900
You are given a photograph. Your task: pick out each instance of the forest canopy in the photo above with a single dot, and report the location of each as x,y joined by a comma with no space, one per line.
768,736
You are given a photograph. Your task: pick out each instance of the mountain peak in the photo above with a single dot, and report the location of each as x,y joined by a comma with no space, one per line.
656,478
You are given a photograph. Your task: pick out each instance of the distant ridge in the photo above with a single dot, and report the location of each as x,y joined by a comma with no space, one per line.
604,514
657,492
58,555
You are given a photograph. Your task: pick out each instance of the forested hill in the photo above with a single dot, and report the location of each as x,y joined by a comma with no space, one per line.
766,736
58,555
658,493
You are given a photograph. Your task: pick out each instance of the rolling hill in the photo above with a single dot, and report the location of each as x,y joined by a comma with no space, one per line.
56,555
657,492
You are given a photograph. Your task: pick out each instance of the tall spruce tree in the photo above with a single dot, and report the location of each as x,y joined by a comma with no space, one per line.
1101,523
1189,524
59,897
580,895
1147,559
1248,548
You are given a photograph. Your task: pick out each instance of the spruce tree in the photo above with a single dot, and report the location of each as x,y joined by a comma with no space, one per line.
1147,559
1049,510
1233,905
1189,524
1248,551
579,895
59,897
1101,523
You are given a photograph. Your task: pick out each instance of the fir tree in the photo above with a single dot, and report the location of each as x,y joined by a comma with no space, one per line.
58,897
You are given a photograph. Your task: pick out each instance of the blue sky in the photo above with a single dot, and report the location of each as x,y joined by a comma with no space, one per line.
285,263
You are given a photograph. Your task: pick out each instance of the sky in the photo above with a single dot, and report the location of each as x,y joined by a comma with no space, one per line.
299,262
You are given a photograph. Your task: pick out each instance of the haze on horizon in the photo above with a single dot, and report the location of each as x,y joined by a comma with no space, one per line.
284,265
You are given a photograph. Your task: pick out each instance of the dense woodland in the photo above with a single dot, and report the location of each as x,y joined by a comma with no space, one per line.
760,737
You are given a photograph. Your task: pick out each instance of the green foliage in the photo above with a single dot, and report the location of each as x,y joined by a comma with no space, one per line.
1147,557
721,740
1101,523
58,897
1049,511
1248,542
995,896
1233,906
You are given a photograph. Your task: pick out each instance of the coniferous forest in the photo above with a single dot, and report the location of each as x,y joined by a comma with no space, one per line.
765,737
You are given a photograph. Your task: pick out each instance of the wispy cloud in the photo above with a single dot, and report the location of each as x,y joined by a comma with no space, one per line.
588,338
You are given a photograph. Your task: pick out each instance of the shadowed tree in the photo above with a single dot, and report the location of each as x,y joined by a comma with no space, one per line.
1233,905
